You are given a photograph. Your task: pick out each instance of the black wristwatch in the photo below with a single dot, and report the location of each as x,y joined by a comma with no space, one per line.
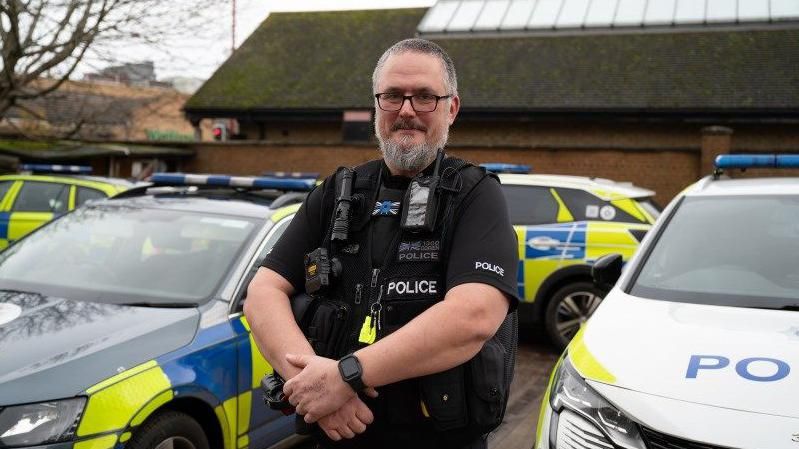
350,368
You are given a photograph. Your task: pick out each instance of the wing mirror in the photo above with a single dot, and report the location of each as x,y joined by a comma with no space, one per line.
607,270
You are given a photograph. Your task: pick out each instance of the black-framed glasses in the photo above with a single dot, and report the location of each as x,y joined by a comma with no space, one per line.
392,102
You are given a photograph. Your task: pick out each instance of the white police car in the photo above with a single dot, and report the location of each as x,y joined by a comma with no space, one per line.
121,322
697,344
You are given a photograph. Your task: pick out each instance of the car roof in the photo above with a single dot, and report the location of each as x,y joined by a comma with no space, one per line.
57,177
259,204
604,188
710,186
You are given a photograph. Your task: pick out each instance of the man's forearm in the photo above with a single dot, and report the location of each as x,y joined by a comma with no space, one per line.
272,323
447,334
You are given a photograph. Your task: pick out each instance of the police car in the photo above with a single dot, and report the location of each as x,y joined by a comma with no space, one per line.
44,191
121,322
697,344
563,224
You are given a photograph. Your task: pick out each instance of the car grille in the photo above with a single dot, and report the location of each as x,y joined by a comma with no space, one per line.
576,432
657,440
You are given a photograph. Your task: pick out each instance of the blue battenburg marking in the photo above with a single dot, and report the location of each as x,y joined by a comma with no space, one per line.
520,280
208,362
555,241
5,218
386,208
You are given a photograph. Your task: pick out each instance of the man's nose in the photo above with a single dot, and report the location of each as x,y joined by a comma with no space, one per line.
406,109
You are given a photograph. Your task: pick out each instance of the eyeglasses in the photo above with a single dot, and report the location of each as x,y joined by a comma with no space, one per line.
392,102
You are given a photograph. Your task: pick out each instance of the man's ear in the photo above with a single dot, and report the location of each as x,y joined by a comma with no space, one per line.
454,107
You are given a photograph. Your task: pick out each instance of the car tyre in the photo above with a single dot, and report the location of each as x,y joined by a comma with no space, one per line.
568,309
169,430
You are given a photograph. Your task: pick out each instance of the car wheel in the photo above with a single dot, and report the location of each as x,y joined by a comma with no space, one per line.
169,430
568,309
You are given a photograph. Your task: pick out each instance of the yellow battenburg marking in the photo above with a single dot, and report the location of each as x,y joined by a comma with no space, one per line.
260,367
537,270
244,441
226,414
245,323
104,442
112,407
152,406
125,437
368,332
22,223
245,407
629,206
227,436
606,238
545,401
121,376
564,215
521,238
585,362
284,212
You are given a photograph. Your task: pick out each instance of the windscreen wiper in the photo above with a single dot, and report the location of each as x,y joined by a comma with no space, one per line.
161,305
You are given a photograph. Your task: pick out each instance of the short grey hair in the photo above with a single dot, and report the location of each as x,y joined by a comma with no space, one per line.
425,47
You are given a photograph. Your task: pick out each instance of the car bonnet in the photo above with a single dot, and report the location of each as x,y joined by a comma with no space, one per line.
737,358
54,348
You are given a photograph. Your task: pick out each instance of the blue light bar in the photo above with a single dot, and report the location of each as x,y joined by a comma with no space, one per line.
51,168
181,179
498,167
291,174
757,161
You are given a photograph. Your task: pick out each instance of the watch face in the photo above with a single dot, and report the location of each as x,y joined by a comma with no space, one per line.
349,368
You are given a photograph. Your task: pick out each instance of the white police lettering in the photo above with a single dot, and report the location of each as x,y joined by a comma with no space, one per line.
412,287
489,267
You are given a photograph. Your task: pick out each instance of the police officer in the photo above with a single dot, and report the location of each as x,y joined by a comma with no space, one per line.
417,297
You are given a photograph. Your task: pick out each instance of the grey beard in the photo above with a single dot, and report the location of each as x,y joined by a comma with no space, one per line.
413,159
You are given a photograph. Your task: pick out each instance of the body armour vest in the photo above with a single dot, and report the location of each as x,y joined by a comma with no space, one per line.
366,302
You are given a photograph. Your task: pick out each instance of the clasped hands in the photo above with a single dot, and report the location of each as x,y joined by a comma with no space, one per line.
320,394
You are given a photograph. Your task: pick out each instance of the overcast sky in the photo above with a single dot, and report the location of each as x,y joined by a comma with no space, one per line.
200,54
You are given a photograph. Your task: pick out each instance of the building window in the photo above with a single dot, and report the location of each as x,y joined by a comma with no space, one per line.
357,126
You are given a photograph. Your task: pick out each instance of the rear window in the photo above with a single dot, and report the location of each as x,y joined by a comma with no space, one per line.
530,205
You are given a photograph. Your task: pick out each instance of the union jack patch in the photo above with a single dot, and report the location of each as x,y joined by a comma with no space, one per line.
387,208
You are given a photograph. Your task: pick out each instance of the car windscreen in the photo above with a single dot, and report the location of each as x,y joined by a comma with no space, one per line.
128,255
741,251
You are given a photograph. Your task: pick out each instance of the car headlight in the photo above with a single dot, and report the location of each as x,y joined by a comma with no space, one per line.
42,423
571,392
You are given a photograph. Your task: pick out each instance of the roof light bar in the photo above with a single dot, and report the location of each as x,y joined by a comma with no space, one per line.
726,161
291,174
55,168
498,167
181,179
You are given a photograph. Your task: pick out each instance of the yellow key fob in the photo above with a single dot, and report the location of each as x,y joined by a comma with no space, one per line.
368,332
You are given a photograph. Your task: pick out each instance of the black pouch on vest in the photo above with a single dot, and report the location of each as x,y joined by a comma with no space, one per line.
444,398
486,377
327,328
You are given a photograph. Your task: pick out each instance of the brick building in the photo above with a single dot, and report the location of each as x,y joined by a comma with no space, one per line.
647,98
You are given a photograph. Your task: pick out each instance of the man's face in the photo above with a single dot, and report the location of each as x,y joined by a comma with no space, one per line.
409,139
